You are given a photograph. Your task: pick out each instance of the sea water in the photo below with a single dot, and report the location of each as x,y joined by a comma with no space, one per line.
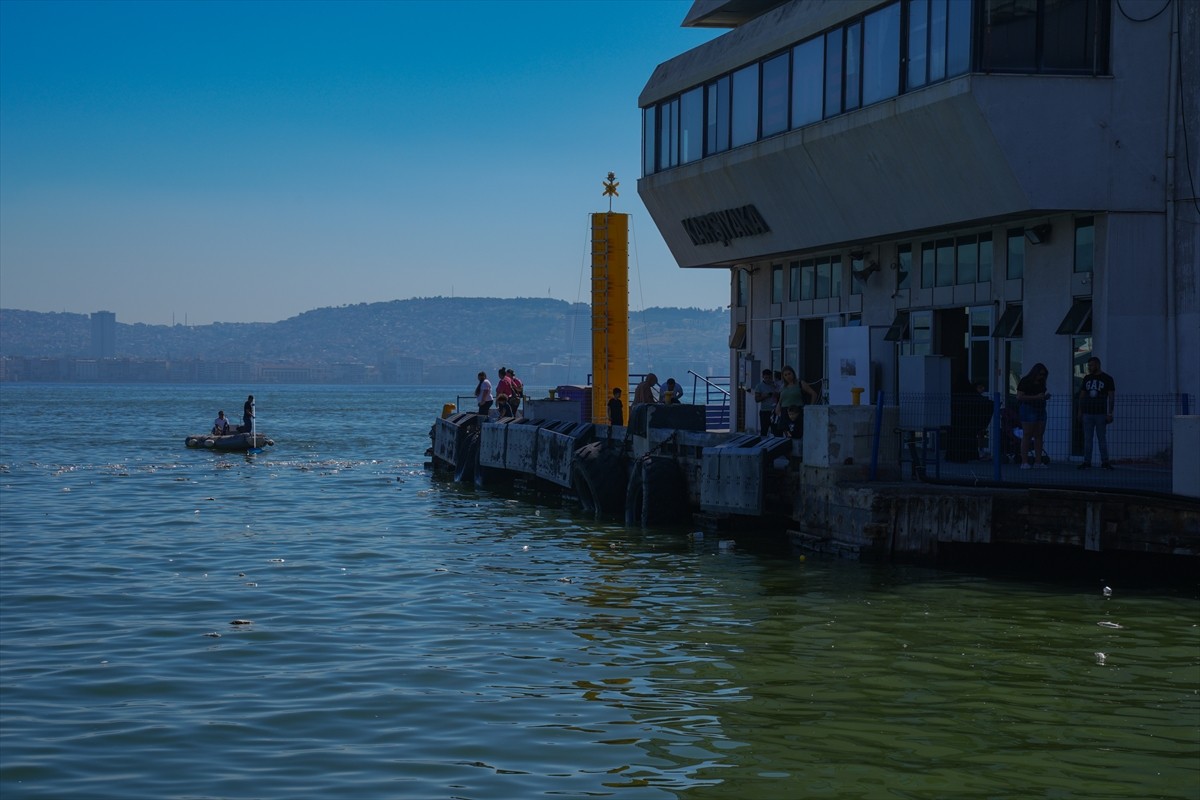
328,619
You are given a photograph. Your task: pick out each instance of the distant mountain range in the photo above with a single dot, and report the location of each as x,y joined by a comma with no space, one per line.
475,332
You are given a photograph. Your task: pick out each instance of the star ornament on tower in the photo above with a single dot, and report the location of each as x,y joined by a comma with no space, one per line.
610,188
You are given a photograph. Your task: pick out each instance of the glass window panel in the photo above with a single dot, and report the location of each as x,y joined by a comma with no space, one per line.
775,95
833,72
918,43
980,320
776,344
937,39
1085,244
1016,254
1069,34
921,328
856,265
958,44
717,120
808,72
649,139
853,62
808,280
794,280
881,55
1010,35
791,341
904,266
945,262
668,138
928,262
835,276
745,106
968,260
985,258
777,283
691,125
823,277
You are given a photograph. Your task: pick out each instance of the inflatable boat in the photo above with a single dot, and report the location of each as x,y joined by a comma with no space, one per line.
230,442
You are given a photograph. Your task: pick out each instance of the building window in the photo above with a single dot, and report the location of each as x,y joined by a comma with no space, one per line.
791,341
794,281
1016,254
945,262
777,283
649,136
856,265
928,262
881,55
985,258
717,116
853,80
808,60
745,106
968,260
691,125
668,134
904,266
741,287
1063,36
775,95
808,279
1085,244
833,73
776,344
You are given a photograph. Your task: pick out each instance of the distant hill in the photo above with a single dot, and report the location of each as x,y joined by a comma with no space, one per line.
474,331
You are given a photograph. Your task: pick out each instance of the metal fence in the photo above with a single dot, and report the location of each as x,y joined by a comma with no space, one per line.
972,438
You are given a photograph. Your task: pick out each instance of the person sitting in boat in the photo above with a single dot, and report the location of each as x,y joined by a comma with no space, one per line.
220,425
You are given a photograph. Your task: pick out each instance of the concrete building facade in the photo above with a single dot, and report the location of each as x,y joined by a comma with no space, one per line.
997,183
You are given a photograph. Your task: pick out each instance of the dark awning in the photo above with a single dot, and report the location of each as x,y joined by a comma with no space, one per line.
738,340
1009,326
899,330
1079,319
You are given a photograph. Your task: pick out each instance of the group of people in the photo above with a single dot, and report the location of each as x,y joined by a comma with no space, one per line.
781,398
221,426
1095,407
506,395
644,393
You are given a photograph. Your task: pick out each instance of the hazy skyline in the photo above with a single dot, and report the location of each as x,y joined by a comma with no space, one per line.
246,162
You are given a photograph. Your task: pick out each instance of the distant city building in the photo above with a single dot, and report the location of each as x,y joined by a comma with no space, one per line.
104,334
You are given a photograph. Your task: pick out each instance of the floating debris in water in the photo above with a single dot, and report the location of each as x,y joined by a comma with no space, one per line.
566,580
213,635
726,544
241,622
1107,591
1101,658
250,583
1107,624
698,534
276,560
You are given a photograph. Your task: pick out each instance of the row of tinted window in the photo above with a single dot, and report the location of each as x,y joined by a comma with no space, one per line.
942,262
898,47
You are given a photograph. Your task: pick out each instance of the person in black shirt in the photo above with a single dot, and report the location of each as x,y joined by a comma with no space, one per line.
616,409
248,414
1097,398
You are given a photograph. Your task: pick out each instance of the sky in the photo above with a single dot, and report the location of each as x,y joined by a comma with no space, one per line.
209,162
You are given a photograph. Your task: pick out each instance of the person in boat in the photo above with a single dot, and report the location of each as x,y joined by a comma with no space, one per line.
247,415
483,394
220,425
672,392
616,409
644,393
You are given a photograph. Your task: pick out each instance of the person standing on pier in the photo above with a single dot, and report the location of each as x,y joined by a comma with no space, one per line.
644,393
616,409
483,394
766,394
1097,398
792,395
1031,407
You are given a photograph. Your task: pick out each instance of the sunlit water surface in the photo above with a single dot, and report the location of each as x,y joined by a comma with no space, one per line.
409,638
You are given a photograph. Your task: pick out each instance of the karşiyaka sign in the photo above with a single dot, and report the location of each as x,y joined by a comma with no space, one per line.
722,226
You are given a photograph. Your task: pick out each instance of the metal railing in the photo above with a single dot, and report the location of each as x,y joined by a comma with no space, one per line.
715,400
972,438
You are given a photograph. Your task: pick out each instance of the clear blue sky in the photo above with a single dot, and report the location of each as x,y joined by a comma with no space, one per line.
240,162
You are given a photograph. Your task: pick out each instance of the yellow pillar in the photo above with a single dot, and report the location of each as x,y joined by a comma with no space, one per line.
610,311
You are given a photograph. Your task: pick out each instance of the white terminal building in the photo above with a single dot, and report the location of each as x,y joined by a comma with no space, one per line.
999,182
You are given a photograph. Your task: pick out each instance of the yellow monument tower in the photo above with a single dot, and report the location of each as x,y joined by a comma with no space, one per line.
610,305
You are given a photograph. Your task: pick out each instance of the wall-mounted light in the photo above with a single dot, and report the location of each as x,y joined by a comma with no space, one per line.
1038,234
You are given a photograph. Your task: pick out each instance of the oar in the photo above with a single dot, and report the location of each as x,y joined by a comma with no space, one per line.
254,448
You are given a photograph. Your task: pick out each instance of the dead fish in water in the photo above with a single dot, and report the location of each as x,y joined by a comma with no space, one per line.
242,622
1107,624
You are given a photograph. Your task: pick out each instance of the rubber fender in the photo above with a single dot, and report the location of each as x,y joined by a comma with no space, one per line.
468,457
598,473
657,493
210,442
